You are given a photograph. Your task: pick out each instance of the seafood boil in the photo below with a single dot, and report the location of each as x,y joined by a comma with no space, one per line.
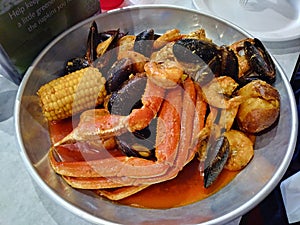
145,106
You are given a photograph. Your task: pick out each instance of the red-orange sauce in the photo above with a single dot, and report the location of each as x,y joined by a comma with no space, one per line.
185,189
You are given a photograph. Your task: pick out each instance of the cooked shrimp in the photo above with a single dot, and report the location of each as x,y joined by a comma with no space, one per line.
163,54
168,36
218,91
237,47
166,74
197,34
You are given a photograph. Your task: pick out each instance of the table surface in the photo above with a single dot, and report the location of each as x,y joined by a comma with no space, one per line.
22,201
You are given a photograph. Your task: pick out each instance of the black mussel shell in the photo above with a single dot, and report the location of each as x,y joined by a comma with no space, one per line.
144,42
122,102
140,143
92,42
260,61
229,63
118,74
128,97
75,64
214,164
195,51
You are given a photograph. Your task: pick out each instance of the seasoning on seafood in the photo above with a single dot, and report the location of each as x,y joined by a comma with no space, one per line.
162,99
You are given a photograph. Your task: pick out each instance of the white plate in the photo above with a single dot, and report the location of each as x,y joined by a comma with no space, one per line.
270,20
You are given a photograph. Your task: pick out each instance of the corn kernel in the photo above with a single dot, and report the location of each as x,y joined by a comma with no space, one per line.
81,90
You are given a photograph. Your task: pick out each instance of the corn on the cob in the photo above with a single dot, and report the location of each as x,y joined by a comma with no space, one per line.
72,93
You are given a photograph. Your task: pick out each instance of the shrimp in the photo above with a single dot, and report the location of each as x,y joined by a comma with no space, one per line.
218,90
168,36
166,74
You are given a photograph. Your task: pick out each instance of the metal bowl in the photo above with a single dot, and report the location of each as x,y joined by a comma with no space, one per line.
273,149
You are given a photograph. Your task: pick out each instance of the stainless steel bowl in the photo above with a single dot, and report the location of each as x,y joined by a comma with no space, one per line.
273,149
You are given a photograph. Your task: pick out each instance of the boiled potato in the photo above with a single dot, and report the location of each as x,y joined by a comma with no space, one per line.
261,106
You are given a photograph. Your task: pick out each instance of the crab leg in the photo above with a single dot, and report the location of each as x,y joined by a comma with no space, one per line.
109,166
107,125
120,193
167,152
199,121
187,121
134,167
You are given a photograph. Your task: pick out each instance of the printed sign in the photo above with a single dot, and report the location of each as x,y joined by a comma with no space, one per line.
27,26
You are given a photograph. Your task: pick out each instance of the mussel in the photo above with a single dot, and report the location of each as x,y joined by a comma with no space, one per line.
118,74
97,45
127,97
92,41
214,164
75,64
106,51
144,42
140,143
195,50
218,60
224,60
260,61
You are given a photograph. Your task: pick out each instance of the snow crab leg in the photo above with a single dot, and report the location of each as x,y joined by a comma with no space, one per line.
160,77
135,167
171,151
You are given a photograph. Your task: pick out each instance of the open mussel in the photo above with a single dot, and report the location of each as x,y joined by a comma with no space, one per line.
260,62
140,143
220,61
106,51
244,61
97,45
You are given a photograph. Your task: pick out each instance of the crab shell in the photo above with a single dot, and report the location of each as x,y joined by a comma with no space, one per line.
180,119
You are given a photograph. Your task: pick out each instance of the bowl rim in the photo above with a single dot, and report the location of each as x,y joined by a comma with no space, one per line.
91,218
